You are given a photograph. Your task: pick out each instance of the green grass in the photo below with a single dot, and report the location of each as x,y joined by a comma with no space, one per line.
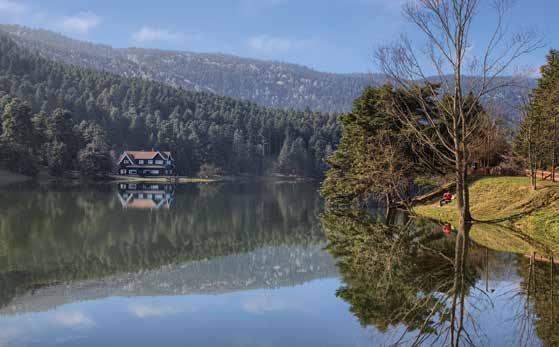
508,213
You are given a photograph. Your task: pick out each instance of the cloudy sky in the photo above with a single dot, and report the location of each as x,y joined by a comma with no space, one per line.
328,35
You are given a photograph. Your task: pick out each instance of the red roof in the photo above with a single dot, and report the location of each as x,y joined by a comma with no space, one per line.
144,204
145,154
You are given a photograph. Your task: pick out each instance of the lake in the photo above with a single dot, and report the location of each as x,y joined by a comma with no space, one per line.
251,264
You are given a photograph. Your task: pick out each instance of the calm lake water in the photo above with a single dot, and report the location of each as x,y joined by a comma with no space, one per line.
250,265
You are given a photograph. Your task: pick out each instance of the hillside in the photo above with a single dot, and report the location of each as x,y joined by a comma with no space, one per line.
268,83
200,128
508,205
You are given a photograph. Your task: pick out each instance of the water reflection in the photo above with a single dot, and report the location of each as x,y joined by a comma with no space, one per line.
424,285
145,196
79,267
56,241
537,303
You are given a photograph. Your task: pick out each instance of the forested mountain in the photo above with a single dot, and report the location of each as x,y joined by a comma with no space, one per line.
267,83
57,112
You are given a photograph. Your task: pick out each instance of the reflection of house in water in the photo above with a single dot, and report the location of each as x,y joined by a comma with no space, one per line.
145,195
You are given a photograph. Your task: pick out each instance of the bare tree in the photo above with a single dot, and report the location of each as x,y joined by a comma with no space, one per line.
446,25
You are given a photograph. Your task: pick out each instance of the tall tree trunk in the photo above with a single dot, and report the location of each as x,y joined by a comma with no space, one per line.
553,148
466,187
462,189
531,160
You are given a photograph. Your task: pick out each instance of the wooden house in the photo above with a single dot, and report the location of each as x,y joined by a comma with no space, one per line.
146,163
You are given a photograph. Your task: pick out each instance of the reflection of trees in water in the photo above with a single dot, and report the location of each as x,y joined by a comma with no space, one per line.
267,267
54,234
408,274
537,315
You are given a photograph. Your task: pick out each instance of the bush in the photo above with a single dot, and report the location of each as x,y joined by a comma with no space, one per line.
510,166
209,171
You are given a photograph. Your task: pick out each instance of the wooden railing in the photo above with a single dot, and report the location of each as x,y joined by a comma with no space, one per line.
543,174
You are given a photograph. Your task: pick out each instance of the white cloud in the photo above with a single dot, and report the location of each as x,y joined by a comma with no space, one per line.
144,311
13,7
74,319
7,335
262,304
149,34
81,22
270,44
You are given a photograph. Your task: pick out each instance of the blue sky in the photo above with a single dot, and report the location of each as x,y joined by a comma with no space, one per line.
328,35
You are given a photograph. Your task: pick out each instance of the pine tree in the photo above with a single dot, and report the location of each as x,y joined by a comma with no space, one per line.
536,139
17,129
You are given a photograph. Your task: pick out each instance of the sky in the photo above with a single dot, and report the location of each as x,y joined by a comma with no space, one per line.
327,35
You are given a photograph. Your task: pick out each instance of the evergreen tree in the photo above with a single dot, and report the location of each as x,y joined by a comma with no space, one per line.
17,129
536,139
57,158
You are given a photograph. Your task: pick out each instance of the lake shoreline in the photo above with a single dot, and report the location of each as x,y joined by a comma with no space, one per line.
7,178
507,204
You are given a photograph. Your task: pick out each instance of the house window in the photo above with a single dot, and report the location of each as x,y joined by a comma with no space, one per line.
168,162
126,161
140,162
155,172
133,172
150,162
123,172
159,162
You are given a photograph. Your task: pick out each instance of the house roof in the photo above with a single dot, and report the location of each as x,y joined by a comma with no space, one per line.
146,154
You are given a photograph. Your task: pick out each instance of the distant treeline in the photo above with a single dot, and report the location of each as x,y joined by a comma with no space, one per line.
59,115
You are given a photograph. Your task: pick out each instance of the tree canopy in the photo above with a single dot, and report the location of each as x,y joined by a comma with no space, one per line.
199,128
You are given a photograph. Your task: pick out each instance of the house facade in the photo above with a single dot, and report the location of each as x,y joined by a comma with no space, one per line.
146,163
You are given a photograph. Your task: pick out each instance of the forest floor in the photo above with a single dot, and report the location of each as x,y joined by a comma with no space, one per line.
509,215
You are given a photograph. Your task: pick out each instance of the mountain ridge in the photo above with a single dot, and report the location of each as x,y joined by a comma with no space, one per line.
268,83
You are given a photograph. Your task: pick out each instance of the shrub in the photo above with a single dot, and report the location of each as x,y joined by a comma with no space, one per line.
209,171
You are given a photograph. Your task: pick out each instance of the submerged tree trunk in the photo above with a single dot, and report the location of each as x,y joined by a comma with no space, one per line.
458,292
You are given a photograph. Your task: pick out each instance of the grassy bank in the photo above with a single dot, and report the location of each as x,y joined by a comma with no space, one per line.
509,214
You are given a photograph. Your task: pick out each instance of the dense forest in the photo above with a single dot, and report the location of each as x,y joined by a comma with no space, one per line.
58,115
